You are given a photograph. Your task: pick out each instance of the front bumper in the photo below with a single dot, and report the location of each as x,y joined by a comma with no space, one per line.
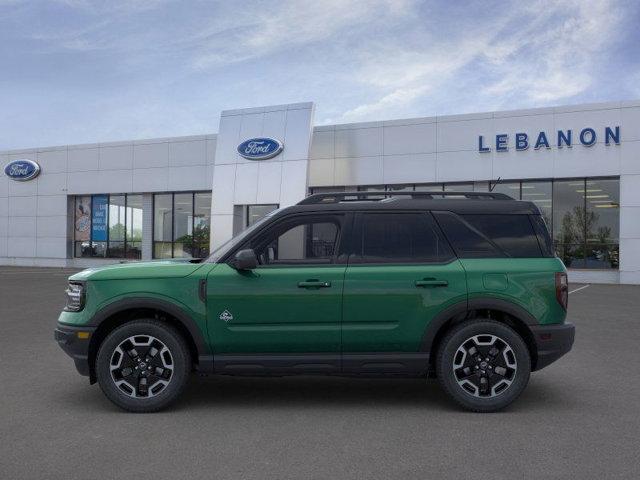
552,342
75,343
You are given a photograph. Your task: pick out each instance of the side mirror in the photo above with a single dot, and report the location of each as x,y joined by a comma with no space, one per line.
245,260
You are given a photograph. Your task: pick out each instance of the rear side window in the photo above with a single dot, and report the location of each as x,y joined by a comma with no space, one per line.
400,238
513,234
466,240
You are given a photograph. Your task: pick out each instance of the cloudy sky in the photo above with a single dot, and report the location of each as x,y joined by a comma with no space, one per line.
80,71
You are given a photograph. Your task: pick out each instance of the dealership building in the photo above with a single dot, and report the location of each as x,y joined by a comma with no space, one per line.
91,204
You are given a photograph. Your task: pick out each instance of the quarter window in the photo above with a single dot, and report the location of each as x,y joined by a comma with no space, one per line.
466,241
514,234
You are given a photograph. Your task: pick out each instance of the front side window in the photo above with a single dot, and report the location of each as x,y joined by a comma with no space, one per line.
301,241
400,238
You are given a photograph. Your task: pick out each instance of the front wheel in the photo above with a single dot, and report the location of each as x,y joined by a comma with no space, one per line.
483,365
143,365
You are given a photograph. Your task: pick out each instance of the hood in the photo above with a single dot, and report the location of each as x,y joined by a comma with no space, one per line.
139,270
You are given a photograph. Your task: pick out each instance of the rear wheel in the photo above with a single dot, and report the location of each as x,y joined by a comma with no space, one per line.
483,365
143,365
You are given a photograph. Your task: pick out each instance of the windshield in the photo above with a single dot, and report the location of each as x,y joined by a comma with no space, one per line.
230,244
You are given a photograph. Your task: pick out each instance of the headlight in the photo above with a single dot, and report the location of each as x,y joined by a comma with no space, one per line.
75,297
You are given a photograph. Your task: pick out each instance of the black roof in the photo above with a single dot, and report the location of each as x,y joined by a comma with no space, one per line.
457,202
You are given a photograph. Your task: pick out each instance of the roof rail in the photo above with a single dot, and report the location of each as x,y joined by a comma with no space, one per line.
338,197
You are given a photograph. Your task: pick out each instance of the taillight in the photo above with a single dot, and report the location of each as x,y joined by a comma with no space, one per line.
562,289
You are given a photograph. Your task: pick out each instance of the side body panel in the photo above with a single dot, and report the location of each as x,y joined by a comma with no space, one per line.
267,311
526,282
386,311
181,291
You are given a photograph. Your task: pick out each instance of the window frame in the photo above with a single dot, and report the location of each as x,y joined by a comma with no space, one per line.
355,259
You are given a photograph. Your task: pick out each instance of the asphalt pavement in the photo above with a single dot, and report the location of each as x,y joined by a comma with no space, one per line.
578,418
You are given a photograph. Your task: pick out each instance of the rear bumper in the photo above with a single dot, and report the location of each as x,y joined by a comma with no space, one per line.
552,342
74,346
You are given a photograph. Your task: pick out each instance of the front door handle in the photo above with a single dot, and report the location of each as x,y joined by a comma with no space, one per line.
431,282
314,284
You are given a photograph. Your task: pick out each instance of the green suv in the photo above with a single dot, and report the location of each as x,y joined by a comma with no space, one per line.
462,286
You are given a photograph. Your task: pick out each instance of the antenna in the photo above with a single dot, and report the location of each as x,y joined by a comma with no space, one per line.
494,185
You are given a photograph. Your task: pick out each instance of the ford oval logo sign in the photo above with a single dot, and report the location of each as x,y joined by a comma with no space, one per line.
260,148
22,170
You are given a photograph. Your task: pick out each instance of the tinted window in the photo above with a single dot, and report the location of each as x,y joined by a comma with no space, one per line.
544,239
299,241
466,241
401,237
513,234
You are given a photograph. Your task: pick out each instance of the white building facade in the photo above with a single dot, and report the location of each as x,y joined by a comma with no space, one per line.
84,205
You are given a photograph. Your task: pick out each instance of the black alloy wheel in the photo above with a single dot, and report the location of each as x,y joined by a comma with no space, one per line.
143,365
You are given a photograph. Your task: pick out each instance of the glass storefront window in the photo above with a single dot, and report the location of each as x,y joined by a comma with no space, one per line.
373,188
480,186
134,227
430,187
603,223
511,189
162,225
569,221
201,224
399,188
182,224
458,187
116,226
257,212
327,190
540,193
82,226
106,226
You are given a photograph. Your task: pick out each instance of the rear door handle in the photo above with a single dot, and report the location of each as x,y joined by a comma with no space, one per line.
431,282
314,284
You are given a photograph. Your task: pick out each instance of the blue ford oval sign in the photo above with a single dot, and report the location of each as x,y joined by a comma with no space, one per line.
22,170
260,148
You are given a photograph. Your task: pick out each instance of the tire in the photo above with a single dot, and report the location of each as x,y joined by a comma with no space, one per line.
460,368
145,345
